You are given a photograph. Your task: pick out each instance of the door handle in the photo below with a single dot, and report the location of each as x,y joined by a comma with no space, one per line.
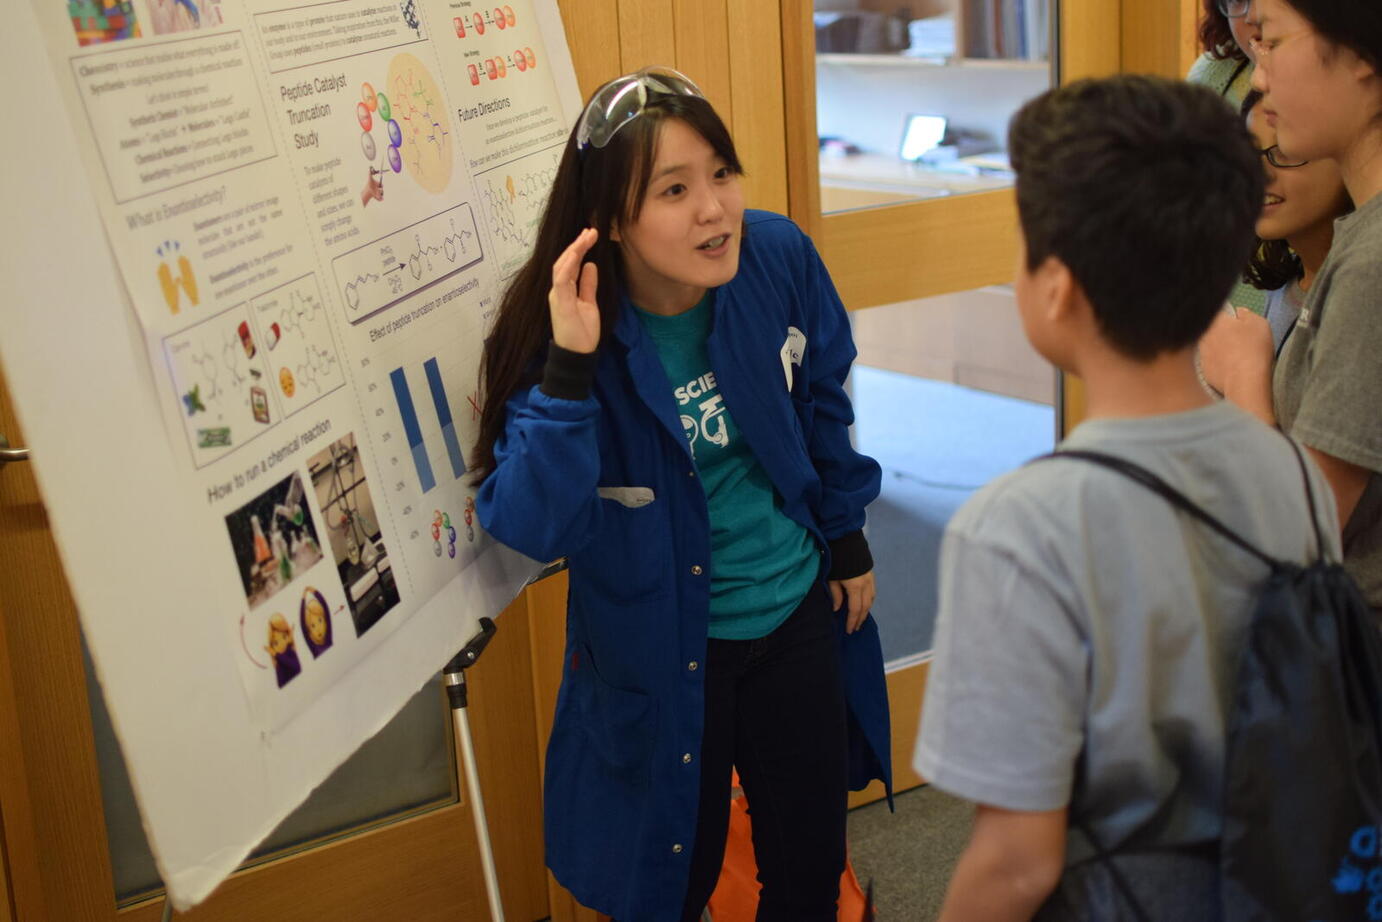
8,454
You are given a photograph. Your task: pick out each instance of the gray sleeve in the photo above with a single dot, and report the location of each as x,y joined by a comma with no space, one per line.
1338,409
1005,701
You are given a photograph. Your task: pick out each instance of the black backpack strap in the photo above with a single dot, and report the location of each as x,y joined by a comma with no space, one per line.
1167,492
1309,496
1105,857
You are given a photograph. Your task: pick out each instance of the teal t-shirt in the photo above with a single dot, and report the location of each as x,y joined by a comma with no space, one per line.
762,563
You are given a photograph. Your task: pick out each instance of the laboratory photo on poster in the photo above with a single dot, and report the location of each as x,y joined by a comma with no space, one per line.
352,530
274,540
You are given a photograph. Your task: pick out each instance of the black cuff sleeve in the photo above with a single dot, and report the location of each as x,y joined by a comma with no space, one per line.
568,375
849,556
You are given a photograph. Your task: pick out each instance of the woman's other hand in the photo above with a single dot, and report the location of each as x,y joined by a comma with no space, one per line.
859,593
1237,345
575,313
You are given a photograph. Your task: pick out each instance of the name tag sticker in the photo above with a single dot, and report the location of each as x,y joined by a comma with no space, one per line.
792,351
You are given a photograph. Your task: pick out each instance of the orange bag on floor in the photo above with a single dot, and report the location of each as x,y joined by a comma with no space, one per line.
736,894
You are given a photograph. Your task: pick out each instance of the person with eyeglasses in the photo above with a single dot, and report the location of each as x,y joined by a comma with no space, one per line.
1302,201
664,406
1319,69
1225,66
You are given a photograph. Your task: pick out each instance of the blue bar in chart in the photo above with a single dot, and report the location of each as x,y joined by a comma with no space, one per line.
448,427
411,429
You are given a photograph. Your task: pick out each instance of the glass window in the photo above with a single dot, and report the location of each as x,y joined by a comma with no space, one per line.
947,395
913,98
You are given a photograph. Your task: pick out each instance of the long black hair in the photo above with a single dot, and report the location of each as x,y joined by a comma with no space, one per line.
598,187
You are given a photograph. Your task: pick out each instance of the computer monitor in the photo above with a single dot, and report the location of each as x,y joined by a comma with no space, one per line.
920,134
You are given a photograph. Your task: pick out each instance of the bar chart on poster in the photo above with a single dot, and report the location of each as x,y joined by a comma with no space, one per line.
310,210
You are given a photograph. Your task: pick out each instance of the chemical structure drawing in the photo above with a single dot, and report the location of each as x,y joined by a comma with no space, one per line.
222,383
383,272
301,350
513,197
419,110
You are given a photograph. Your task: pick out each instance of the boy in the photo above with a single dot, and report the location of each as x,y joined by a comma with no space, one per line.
1088,632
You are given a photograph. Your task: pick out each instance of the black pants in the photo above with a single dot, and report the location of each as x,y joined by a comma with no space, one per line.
775,708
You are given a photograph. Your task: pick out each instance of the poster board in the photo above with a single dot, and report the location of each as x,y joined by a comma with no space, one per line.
250,264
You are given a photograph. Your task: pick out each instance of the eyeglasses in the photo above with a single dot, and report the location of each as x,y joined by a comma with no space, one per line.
1262,48
1234,9
622,100
1277,159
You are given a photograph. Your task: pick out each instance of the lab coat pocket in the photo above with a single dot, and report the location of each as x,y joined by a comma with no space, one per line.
618,722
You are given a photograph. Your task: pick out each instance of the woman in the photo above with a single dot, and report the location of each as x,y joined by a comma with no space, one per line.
1318,70
1303,200
1225,66
664,406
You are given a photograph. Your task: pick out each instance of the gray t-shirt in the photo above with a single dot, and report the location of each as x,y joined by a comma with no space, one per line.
1088,632
1328,382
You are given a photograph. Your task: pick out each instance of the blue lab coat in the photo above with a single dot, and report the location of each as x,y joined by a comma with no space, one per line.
620,800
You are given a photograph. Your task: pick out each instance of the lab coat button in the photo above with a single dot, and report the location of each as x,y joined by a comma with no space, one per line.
696,570
676,849
686,758
692,666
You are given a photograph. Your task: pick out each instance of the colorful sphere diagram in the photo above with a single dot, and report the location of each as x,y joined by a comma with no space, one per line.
441,523
374,106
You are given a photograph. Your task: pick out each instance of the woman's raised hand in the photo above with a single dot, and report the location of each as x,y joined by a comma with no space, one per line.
575,314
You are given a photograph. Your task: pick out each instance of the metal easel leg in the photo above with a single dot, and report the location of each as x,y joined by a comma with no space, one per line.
456,693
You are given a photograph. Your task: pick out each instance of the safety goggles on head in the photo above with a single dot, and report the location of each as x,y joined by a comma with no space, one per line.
1233,9
623,100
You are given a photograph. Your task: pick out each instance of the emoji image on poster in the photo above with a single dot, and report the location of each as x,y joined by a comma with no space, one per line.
286,382
530,57
316,621
259,404
479,22
499,19
474,74
459,23
282,650
509,16
247,339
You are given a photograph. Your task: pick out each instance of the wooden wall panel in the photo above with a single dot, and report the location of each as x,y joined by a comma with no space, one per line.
647,33
755,55
799,91
1154,36
887,255
62,788
592,34
702,39
20,884
1091,37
